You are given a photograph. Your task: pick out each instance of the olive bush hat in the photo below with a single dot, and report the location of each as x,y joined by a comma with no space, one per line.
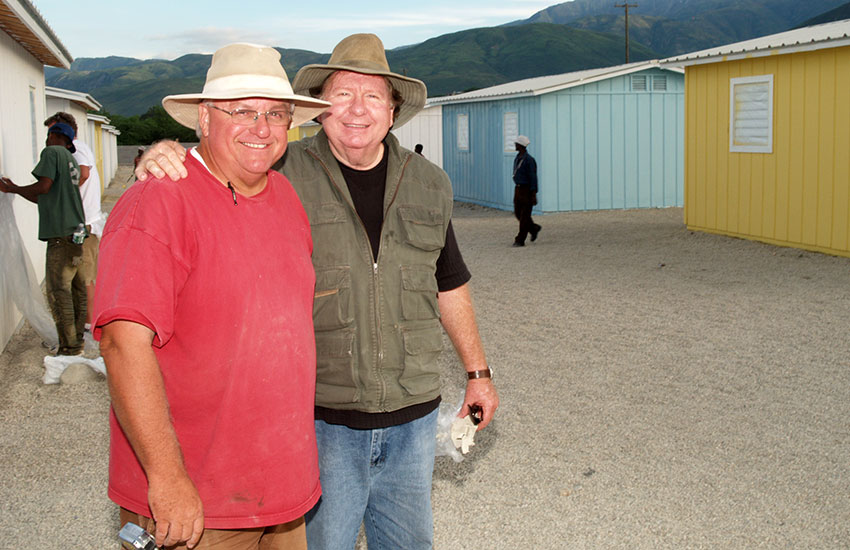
244,70
364,53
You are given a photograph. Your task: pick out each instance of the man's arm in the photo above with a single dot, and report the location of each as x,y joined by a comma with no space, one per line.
458,318
141,406
163,158
85,172
29,192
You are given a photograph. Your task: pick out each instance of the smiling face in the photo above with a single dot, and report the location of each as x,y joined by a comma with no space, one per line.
241,154
359,118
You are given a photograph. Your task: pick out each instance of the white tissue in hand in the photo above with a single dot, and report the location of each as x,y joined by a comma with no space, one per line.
463,433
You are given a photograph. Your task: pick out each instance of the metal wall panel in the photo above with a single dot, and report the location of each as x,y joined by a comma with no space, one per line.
598,146
425,128
617,148
799,194
482,174
20,129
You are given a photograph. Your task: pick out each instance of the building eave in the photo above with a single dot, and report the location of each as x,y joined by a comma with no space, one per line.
534,85
23,22
81,98
817,37
97,118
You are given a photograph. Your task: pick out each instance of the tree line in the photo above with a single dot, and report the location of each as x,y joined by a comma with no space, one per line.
145,129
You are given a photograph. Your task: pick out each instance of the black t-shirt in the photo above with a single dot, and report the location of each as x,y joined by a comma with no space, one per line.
367,191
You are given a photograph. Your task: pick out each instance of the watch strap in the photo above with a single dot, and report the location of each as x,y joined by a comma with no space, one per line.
483,373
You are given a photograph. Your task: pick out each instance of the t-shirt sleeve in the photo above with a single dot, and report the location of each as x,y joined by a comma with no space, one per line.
84,155
451,269
48,164
143,262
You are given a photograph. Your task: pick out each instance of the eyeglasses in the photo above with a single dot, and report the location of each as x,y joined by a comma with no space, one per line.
246,117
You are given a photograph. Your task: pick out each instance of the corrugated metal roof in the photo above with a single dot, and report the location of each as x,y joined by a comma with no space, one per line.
547,84
828,35
23,22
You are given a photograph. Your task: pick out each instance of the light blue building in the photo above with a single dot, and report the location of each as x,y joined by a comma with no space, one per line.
608,138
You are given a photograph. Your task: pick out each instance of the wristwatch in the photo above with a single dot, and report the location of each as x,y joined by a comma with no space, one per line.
483,373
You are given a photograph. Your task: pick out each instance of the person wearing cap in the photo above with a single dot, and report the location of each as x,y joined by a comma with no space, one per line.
525,191
60,215
204,313
389,274
90,195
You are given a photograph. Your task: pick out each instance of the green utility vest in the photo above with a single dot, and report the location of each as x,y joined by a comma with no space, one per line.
377,323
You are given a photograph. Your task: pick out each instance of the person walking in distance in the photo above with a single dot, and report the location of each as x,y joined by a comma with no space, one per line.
525,191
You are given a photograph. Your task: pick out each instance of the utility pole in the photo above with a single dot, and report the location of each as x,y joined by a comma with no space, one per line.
627,6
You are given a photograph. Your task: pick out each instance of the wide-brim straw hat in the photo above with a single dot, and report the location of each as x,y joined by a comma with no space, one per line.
239,71
364,53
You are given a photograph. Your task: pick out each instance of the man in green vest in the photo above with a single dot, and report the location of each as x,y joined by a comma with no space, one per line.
389,274
61,223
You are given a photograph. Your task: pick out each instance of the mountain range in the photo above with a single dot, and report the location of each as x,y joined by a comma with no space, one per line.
565,37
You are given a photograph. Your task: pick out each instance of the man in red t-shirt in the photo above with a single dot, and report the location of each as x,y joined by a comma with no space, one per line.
204,312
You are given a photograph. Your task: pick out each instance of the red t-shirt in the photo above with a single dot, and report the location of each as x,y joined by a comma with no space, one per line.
228,290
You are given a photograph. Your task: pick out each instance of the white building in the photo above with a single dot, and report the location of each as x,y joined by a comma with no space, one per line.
27,44
425,128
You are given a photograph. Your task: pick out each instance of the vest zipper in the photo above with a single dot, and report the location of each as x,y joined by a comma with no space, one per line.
379,352
376,281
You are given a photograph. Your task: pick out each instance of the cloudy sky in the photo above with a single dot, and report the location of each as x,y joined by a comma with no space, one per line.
167,29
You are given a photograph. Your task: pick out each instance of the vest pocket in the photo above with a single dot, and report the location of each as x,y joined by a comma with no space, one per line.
423,227
422,349
321,213
332,301
335,368
418,293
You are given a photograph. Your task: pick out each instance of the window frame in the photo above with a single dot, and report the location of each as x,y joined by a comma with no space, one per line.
462,122
510,131
736,146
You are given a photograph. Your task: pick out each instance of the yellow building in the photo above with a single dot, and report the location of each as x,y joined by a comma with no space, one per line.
767,138
304,131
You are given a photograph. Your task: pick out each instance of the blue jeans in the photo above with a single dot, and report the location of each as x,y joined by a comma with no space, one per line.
379,477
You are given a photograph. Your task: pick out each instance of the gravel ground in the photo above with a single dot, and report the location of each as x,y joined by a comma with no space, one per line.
660,389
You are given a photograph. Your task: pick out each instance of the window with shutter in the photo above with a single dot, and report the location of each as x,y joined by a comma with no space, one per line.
751,114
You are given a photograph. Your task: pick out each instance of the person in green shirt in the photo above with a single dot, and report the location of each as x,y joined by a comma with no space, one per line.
60,215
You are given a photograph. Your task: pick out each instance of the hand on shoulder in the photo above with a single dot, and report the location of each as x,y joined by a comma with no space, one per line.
164,158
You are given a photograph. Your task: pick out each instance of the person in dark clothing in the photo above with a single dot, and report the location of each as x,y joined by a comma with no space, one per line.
61,224
525,191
